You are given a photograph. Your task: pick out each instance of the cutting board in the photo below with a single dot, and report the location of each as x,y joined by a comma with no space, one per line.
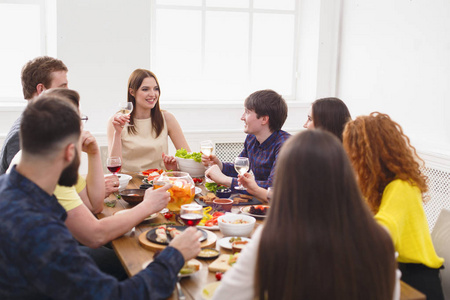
220,264
208,243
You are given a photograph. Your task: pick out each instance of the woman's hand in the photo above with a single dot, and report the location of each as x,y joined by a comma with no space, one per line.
119,121
111,185
170,162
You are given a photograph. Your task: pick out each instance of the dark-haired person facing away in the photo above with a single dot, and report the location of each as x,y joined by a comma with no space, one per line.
392,183
39,257
325,243
264,115
329,114
38,75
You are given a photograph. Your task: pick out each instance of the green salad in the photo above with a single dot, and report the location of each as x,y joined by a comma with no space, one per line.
182,153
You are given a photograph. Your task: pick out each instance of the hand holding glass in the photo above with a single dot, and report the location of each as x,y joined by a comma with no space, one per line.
191,214
125,108
206,148
114,164
241,165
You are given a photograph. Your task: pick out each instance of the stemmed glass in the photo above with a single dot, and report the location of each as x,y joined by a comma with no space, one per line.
114,164
191,214
206,147
125,108
241,165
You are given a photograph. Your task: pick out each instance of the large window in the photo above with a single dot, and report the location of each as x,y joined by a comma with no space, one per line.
222,50
24,35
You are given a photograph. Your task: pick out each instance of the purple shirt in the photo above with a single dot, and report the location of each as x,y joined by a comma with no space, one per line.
262,158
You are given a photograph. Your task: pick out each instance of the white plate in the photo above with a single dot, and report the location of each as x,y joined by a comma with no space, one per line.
225,242
198,190
209,227
197,262
245,211
209,289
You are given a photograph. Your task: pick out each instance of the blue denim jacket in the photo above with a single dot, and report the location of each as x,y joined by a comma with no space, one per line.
39,258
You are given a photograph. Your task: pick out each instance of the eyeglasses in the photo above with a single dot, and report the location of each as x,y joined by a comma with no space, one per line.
84,118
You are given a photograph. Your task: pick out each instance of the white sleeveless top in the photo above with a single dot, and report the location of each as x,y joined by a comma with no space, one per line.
143,150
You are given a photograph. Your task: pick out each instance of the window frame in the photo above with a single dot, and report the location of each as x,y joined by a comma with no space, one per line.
47,10
203,8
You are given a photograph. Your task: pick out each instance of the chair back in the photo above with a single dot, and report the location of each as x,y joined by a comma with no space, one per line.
441,241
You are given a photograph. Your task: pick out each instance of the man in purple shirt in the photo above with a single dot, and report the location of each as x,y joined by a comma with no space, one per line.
264,115
39,257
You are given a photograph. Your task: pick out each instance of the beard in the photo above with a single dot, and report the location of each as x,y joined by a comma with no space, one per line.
69,175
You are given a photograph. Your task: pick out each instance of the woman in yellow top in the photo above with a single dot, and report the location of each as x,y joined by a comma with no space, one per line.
392,183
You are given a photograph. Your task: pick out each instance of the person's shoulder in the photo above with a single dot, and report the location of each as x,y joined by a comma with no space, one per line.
168,115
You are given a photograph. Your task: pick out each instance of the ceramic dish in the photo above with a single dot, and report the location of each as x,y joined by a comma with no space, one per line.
246,210
208,253
151,235
225,242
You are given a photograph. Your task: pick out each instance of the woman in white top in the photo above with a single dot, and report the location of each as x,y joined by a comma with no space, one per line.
141,138
320,240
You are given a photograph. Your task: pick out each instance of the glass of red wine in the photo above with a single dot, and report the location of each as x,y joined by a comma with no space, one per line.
114,163
191,214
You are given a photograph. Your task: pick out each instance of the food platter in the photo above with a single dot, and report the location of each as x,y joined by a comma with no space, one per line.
225,242
246,211
151,235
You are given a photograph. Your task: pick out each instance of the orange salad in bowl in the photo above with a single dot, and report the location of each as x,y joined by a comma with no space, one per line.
182,190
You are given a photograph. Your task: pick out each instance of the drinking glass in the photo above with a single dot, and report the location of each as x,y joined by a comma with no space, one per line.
241,165
269,193
191,214
125,108
114,164
206,147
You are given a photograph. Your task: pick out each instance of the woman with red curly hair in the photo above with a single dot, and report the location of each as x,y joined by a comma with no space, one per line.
392,183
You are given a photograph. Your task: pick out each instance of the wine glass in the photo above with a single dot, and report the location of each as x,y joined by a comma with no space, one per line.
114,164
191,214
206,147
125,108
241,165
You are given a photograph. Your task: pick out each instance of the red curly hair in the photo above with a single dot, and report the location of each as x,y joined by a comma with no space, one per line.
380,152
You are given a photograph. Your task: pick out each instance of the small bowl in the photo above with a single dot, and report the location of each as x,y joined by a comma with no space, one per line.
224,193
226,204
195,169
208,253
229,229
133,196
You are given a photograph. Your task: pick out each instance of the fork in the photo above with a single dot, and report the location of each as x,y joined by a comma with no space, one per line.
180,292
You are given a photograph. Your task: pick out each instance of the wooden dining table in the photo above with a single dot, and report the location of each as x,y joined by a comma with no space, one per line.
135,257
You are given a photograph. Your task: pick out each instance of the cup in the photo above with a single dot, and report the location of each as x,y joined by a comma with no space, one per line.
226,204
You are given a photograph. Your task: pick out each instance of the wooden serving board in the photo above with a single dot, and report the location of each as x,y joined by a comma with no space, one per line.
220,264
208,243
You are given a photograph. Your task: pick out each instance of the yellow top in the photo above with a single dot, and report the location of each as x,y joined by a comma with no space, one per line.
401,211
67,196
143,150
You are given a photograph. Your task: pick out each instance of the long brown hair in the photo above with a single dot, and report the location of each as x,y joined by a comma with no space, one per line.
320,240
380,152
134,83
330,114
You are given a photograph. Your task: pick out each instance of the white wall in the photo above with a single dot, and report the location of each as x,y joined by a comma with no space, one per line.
395,58
375,55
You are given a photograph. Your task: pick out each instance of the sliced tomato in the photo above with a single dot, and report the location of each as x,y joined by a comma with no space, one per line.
147,172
